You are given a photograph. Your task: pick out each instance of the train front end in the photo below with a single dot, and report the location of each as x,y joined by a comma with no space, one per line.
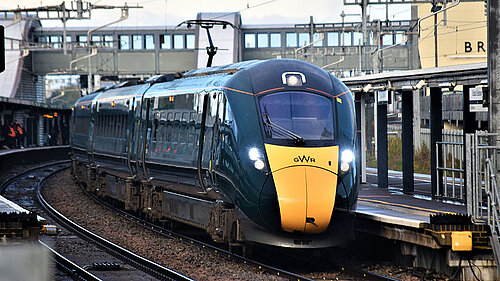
307,185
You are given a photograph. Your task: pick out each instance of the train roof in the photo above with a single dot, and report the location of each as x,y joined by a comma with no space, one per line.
261,75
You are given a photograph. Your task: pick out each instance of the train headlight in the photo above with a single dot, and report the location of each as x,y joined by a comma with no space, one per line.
254,154
346,159
257,158
259,164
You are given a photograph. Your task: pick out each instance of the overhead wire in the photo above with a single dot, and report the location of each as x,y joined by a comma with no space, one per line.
247,8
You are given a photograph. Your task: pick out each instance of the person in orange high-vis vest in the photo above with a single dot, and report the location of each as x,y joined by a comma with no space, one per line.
11,137
19,134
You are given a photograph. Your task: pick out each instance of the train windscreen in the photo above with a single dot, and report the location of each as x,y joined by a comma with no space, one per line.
297,115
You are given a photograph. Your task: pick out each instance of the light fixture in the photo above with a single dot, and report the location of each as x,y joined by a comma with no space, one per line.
259,164
346,159
257,158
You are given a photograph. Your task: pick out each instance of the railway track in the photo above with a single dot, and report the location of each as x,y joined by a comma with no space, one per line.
356,273
52,168
129,257
22,188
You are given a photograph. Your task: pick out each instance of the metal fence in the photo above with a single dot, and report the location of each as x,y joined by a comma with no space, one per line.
483,196
450,170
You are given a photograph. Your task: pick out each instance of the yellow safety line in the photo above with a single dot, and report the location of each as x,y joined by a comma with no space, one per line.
405,206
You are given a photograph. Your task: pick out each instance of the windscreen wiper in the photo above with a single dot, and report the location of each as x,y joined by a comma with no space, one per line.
282,131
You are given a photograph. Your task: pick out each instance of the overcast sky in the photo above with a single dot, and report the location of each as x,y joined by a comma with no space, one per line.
172,12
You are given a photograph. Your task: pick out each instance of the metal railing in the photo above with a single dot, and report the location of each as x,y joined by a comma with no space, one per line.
450,171
483,157
493,211
483,196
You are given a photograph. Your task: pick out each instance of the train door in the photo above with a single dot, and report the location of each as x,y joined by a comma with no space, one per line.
135,136
92,119
144,133
130,136
209,149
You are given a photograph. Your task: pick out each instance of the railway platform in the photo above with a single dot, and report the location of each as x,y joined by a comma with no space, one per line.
18,223
422,231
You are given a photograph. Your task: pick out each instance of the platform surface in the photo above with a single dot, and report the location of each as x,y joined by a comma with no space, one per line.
391,205
7,206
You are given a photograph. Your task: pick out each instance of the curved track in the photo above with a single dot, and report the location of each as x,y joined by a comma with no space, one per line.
131,258
351,272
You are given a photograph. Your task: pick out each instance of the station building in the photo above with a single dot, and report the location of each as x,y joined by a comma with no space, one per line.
38,58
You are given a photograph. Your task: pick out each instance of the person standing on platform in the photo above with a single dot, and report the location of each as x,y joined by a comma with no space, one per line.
11,136
19,134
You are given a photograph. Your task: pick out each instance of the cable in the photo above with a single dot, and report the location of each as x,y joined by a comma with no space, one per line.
247,8
455,275
472,270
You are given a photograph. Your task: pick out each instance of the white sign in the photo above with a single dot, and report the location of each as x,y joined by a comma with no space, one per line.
477,108
475,94
383,97
476,100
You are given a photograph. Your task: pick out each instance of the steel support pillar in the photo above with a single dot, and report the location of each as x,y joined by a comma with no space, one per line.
469,126
493,67
382,159
407,141
361,135
363,139
436,122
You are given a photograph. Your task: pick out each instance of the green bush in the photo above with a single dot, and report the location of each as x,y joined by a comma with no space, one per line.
421,157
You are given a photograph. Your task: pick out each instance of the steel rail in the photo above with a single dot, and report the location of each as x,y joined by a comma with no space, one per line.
365,275
10,180
137,261
191,241
71,268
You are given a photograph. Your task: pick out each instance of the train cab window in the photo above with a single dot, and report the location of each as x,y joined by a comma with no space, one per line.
229,120
170,116
288,115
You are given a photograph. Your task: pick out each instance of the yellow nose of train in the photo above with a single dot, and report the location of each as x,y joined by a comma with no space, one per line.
306,183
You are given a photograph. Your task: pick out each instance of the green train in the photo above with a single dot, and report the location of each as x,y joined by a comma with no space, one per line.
256,151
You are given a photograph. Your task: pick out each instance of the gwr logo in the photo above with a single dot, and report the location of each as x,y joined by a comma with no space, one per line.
304,158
